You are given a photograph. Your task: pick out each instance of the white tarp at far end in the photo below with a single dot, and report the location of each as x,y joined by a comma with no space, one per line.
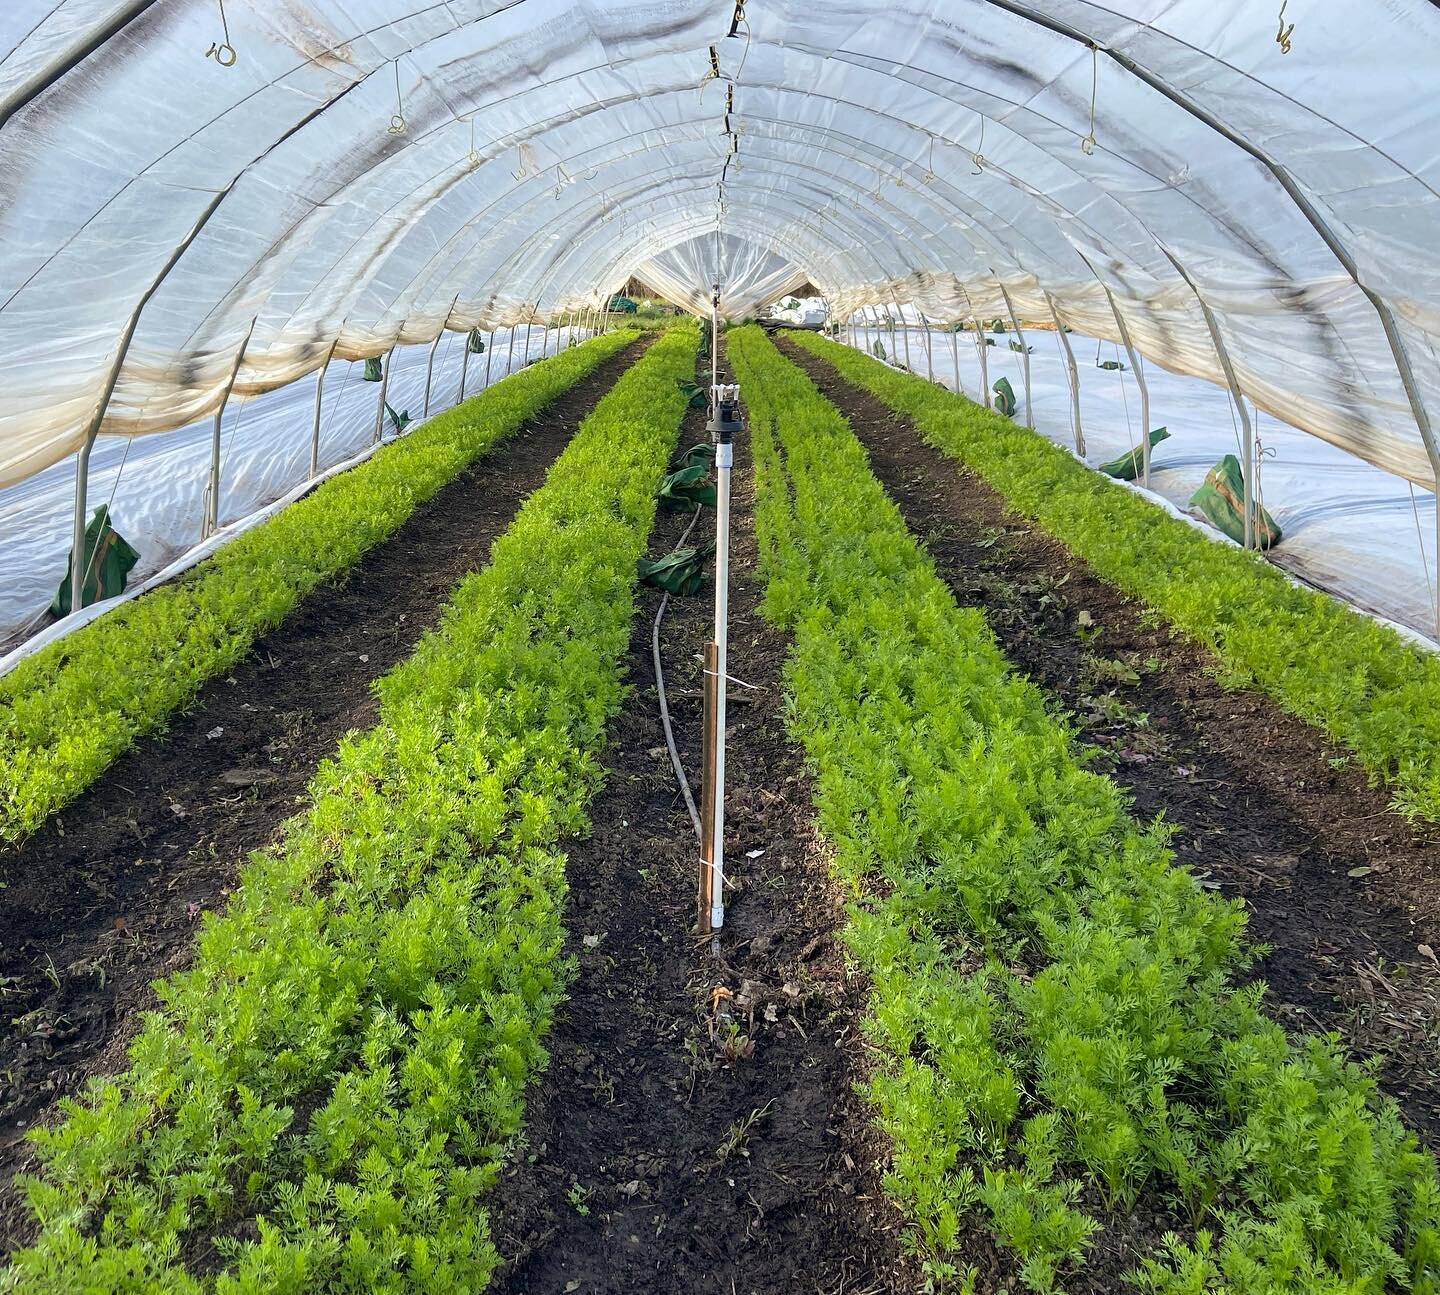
156,485
806,312
1348,528
750,276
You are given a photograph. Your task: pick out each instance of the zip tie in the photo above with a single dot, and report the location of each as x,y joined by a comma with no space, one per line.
1087,145
224,52
1282,36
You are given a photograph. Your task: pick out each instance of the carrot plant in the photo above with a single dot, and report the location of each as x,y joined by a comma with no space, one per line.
68,711
1357,679
1057,1004
323,1097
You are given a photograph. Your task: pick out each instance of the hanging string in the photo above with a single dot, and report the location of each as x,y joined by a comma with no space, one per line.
1125,400
397,122
1282,36
978,156
929,176
474,153
223,52
1087,145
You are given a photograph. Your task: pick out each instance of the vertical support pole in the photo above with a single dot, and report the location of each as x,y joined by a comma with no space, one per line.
711,672
894,346
315,424
1247,482
384,392
983,347
464,367
955,359
430,371
724,422
1074,376
1139,382
529,324
211,522
489,355
77,550
510,352
904,329
929,354
1024,354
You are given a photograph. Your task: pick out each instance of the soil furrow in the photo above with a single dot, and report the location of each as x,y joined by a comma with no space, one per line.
108,895
666,1149
1264,806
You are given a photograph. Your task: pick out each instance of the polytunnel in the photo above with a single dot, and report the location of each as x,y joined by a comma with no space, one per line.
719,644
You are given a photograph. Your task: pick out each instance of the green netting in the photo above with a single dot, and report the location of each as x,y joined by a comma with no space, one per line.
1221,499
1128,466
108,559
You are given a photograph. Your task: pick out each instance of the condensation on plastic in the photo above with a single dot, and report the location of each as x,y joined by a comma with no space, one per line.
369,172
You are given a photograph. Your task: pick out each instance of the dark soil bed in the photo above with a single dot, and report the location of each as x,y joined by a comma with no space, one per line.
108,895
1341,888
665,1149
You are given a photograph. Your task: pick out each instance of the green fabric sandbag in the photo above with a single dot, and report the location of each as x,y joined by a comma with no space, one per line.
373,371
680,573
1221,500
687,488
695,394
476,343
108,559
399,421
1004,397
1127,467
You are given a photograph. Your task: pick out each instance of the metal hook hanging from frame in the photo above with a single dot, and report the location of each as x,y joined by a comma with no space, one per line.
978,156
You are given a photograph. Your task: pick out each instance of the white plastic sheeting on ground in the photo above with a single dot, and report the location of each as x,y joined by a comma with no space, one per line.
1349,528
364,171
158,483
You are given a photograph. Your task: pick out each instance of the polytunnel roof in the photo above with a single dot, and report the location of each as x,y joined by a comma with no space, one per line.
368,172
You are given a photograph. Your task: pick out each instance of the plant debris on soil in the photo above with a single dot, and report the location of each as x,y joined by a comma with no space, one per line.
1339,887
698,1127
108,895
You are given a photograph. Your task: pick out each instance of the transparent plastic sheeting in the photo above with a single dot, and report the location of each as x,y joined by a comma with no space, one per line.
1349,528
159,483
369,172
752,276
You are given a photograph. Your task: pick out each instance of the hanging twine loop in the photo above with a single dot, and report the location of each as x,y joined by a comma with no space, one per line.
1284,32
397,122
1087,145
223,52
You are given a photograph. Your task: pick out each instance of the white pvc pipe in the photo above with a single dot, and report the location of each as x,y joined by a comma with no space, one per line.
724,461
